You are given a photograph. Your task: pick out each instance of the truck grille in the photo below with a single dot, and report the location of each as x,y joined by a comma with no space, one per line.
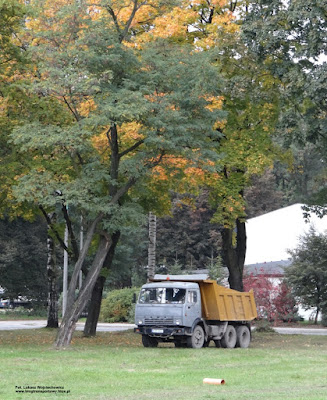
159,321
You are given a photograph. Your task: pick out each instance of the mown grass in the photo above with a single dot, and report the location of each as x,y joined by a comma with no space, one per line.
116,366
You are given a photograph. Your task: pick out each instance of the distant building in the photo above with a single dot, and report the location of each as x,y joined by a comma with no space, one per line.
270,236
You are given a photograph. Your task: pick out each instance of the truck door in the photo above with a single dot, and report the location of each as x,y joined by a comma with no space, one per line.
193,306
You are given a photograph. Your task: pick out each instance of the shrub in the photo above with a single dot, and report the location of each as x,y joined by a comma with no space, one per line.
118,305
274,302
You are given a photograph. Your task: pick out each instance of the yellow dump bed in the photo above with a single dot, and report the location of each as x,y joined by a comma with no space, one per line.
223,304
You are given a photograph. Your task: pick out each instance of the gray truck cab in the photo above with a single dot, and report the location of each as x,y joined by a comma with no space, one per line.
167,311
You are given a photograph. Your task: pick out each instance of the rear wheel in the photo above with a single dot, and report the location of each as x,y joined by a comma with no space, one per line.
228,341
196,341
243,336
149,341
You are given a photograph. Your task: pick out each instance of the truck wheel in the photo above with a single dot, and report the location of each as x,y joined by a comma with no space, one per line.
228,341
243,336
196,341
148,341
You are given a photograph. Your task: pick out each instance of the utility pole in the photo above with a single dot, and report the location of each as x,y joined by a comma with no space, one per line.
152,245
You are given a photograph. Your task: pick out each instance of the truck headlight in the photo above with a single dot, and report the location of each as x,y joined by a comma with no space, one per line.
177,321
140,322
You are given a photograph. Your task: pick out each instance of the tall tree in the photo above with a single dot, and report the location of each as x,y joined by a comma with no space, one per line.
307,275
251,100
23,260
128,109
186,237
296,55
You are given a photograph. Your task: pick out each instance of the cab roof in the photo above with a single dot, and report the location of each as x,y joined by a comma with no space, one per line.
180,278
172,284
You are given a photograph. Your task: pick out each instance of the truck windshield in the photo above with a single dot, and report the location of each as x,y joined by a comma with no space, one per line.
162,295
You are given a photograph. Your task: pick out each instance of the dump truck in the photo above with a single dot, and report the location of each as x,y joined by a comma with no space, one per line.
192,310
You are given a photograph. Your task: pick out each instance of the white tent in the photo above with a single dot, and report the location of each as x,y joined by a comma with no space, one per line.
269,236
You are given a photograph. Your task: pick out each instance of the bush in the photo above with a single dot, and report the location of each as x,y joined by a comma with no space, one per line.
118,305
274,302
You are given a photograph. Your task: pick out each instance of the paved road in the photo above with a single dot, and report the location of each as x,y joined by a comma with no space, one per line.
302,331
103,327
35,324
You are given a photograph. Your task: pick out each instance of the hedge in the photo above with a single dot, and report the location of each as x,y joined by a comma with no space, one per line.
118,306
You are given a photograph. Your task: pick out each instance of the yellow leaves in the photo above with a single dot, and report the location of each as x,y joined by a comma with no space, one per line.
174,24
129,134
100,142
86,107
215,102
131,131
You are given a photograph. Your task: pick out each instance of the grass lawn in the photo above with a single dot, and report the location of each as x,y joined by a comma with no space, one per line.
116,366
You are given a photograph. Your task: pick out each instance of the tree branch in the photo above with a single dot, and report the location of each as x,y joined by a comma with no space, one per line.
122,191
70,231
49,222
71,109
135,146
114,17
156,162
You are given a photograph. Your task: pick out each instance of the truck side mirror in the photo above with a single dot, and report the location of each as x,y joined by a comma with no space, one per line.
134,298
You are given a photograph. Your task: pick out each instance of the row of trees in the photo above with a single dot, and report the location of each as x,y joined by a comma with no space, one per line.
107,108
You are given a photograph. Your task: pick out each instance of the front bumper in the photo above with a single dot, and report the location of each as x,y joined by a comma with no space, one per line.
162,331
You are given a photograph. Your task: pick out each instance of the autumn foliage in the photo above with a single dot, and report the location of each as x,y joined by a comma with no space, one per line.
274,299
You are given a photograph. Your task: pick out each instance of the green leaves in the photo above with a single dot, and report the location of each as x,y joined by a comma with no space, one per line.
308,273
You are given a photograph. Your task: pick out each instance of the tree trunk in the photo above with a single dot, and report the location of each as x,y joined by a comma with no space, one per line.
94,308
152,245
75,307
96,298
52,275
234,254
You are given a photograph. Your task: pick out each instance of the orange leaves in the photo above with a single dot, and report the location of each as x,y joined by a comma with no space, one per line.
180,172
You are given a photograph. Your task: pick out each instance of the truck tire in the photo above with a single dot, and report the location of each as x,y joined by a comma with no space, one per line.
228,341
196,341
243,336
149,341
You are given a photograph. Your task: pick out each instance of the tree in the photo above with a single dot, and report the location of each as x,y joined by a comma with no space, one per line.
186,236
296,56
307,276
126,111
263,195
251,100
23,260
